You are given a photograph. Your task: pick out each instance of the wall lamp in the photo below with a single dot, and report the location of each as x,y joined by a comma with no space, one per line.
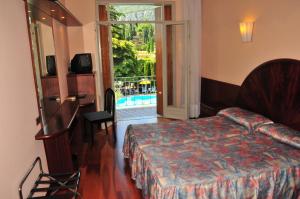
246,30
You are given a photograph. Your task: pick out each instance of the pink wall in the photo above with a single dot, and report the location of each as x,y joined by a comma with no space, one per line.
18,106
62,56
276,35
83,39
75,38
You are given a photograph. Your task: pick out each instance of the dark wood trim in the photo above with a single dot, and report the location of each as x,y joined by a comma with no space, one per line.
50,86
105,55
273,90
216,95
60,122
81,84
58,154
169,46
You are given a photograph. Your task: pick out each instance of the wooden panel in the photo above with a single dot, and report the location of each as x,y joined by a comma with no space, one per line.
58,154
81,84
105,58
50,86
217,93
169,46
273,90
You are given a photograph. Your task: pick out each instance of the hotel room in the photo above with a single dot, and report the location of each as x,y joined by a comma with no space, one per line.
160,99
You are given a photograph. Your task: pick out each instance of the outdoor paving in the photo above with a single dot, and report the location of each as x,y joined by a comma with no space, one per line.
136,113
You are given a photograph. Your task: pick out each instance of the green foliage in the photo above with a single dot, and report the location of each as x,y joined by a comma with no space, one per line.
133,48
124,56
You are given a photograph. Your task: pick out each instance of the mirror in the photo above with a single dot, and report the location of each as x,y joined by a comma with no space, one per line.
43,50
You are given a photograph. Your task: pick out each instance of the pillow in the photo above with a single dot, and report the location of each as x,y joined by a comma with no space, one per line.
282,133
245,118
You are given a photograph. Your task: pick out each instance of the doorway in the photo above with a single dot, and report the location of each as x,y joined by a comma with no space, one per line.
133,48
140,58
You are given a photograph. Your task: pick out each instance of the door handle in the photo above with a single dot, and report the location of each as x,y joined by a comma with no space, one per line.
159,92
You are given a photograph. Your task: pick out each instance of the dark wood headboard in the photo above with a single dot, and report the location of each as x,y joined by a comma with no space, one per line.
273,90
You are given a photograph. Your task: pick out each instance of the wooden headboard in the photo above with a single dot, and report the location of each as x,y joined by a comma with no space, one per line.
273,90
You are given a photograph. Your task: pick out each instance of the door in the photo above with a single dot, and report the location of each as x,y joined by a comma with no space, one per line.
175,70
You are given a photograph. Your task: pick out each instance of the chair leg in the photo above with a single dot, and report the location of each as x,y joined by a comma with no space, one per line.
114,130
84,129
92,133
106,128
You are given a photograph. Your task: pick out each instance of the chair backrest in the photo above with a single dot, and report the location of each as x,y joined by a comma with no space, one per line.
109,103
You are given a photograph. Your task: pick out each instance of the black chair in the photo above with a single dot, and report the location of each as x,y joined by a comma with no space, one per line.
108,115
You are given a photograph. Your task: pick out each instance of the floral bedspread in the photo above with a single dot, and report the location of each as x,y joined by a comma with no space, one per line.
205,159
170,133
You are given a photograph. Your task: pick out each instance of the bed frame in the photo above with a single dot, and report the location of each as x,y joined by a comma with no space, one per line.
273,90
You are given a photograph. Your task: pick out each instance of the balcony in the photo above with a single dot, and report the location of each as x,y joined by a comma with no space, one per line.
135,92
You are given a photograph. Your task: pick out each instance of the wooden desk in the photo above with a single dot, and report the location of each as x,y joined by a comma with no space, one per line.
57,136
62,135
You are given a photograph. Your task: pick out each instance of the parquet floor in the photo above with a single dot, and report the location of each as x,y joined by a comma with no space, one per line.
104,172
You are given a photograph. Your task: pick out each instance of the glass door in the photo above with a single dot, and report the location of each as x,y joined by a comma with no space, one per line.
175,70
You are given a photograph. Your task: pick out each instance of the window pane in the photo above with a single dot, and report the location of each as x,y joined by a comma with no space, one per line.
135,12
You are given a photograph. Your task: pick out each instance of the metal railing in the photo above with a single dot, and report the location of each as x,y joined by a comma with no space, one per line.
135,91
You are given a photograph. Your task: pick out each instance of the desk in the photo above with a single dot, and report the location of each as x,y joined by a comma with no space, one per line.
58,133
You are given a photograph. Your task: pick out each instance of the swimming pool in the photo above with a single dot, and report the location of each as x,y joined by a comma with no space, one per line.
136,101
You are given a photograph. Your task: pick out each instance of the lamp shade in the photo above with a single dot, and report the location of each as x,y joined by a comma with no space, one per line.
246,29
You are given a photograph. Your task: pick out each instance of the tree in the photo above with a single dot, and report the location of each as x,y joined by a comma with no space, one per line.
128,39
124,57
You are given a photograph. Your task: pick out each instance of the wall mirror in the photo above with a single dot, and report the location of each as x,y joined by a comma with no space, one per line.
44,59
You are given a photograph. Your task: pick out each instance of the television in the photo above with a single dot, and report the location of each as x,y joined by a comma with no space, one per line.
51,65
82,63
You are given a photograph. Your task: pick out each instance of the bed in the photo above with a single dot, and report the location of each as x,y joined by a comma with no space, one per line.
248,151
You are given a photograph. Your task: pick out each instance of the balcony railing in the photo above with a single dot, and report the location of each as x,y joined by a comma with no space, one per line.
135,91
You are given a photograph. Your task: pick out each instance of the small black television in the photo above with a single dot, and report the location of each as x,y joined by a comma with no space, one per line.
51,65
82,63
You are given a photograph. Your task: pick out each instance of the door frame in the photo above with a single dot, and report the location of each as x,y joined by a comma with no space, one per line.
170,112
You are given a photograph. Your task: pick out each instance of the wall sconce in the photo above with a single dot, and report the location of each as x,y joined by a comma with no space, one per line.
246,29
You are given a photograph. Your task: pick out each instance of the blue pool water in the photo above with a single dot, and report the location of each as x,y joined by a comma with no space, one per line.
136,101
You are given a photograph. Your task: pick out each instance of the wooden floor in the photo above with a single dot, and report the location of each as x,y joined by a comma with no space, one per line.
104,172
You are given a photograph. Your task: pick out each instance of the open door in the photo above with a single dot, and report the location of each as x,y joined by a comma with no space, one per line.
105,48
175,70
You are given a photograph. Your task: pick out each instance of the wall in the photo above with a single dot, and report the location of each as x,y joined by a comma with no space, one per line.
84,39
18,106
276,35
62,56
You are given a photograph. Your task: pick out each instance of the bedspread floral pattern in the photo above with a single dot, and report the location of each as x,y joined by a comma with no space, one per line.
282,133
214,165
183,131
246,118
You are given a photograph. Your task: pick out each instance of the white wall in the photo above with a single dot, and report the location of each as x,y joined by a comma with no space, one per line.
18,106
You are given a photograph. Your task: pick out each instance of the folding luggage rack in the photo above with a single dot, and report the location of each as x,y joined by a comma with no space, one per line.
52,186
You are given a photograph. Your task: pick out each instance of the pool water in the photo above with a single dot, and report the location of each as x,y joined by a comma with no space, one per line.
136,101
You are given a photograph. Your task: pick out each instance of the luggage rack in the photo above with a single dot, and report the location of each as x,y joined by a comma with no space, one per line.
55,186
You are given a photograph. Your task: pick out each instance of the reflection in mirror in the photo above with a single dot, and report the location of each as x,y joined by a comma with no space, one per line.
43,51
